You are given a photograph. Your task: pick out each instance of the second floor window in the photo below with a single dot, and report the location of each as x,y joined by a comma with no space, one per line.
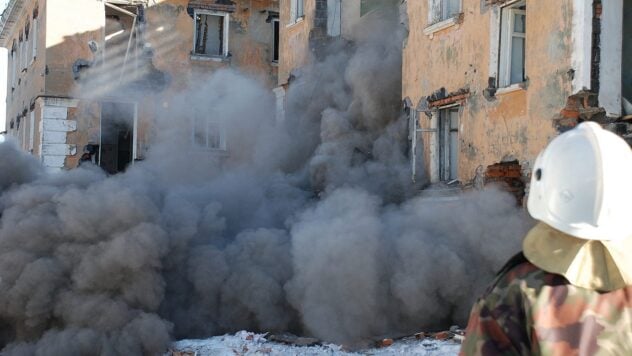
440,10
296,12
211,33
512,45
208,134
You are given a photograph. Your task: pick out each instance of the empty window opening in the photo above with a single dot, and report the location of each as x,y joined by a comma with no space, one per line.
208,134
296,11
275,38
512,44
211,33
448,130
117,136
441,10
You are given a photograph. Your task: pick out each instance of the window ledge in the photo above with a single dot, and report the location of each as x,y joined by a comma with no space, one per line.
205,58
298,20
274,63
442,25
510,89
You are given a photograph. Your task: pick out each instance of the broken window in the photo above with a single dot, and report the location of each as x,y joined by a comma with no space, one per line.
296,11
512,44
211,33
440,10
207,133
448,129
275,39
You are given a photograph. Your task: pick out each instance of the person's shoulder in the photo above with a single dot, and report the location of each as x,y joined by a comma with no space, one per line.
519,272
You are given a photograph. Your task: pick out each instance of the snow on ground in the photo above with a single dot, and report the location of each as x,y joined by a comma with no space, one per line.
245,343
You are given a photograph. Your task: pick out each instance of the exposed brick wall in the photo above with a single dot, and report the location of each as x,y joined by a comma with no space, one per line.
508,176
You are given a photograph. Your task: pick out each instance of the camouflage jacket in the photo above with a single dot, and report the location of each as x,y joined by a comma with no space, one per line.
528,311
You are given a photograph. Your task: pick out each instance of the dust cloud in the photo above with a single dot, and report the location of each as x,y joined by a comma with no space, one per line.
308,225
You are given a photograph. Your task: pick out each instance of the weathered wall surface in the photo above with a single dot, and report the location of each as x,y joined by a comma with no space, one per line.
516,124
170,29
29,82
294,51
70,26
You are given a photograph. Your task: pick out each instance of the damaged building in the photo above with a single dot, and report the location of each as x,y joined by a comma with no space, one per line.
488,83
309,26
86,77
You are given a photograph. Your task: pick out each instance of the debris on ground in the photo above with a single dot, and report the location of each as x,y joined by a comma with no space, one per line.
247,343
290,339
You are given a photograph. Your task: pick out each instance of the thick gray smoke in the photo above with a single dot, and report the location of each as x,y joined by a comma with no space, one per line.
309,225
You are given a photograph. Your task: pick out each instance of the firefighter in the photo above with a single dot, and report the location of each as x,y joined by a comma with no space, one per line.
569,292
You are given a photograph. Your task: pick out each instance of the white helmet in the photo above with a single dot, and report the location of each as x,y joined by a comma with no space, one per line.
581,184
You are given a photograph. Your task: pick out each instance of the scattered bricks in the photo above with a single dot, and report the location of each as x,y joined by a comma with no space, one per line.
385,343
569,113
459,338
442,335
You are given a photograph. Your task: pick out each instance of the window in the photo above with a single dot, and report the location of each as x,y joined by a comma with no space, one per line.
334,10
34,39
27,45
211,33
512,45
13,65
367,6
275,40
440,10
19,54
448,129
296,11
207,133
31,131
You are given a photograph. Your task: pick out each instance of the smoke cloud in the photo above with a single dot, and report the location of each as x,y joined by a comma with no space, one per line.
308,225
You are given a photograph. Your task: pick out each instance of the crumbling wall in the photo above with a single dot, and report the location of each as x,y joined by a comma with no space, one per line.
70,26
294,51
494,124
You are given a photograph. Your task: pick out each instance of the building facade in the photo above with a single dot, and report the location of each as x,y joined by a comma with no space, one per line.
308,26
487,84
88,76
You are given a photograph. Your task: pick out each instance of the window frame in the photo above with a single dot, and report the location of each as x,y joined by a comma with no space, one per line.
447,135
297,11
14,59
225,37
197,116
276,44
34,36
438,11
505,52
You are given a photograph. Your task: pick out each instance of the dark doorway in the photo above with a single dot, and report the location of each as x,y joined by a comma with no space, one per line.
117,136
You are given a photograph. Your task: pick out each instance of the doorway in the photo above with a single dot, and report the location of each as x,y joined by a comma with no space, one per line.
118,136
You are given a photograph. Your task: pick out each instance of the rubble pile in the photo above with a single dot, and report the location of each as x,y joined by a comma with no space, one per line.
247,343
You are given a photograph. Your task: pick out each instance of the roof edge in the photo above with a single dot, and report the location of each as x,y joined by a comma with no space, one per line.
6,22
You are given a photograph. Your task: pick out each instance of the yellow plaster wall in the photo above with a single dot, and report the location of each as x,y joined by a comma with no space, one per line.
517,124
294,51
